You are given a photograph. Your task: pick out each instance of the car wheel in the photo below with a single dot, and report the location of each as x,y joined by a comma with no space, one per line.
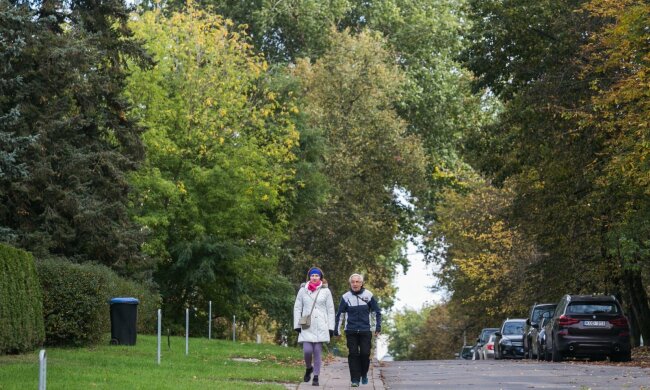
621,357
556,355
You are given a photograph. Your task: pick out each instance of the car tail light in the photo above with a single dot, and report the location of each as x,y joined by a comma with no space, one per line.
620,322
566,321
490,347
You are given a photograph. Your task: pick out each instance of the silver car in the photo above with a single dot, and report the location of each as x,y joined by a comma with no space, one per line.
487,350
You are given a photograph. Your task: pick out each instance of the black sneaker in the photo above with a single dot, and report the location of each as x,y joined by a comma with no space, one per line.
315,381
308,374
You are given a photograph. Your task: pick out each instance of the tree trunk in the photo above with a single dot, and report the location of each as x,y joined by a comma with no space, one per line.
638,297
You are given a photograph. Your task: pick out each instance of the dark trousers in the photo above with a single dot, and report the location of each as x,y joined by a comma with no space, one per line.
359,353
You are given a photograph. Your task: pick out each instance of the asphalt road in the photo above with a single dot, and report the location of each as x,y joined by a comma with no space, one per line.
509,374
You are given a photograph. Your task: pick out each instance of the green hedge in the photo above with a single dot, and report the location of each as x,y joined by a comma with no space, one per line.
21,307
75,303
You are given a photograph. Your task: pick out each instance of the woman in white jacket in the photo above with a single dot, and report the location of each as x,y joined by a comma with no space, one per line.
314,294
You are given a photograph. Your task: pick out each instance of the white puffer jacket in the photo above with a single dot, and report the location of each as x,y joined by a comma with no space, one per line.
322,318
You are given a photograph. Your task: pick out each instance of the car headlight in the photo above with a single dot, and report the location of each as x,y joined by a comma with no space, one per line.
506,342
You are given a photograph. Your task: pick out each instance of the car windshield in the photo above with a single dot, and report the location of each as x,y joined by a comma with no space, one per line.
592,308
513,328
486,335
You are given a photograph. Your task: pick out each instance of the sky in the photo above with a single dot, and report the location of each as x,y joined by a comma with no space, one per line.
413,288
412,291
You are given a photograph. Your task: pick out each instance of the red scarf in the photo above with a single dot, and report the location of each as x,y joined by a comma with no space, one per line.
313,286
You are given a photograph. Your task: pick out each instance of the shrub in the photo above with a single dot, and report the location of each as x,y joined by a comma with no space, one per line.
76,299
21,306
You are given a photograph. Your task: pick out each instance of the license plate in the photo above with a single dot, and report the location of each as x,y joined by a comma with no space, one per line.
595,323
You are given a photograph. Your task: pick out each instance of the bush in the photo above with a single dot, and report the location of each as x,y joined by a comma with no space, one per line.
76,299
21,306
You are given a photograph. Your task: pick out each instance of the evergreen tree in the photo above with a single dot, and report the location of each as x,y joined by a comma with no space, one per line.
66,96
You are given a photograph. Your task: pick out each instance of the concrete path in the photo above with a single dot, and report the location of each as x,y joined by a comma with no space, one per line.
334,374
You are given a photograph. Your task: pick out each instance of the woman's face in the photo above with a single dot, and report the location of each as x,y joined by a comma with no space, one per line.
314,278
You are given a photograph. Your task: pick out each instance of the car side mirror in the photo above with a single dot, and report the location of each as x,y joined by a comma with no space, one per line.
535,325
528,321
478,339
498,334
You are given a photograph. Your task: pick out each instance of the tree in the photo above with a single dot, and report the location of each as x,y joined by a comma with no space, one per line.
488,265
617,67
65,72
369,161
404,331
214,188
15,26
556,133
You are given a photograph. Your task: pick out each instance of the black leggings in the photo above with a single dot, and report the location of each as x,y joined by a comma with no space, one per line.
359,355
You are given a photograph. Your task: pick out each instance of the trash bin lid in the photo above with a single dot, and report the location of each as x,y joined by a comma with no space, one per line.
132,301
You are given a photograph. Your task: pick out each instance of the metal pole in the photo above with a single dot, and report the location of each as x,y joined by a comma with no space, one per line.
42,372
187,332
210,322
233,329
159,337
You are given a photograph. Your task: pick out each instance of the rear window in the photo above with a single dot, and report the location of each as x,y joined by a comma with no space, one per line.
592,308
538,313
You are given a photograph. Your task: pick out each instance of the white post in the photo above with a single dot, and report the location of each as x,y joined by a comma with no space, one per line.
159,327
187,332
233,328
259,338
210,321
42,372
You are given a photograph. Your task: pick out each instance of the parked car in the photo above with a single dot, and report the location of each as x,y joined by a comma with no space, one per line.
539,349
466,352
531,329
482,339
487,350
509,339
591,326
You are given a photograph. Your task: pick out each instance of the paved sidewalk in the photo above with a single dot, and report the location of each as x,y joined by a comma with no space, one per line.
335,375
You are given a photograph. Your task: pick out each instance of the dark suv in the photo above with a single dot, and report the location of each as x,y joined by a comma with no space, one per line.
591,326
538,312
509,339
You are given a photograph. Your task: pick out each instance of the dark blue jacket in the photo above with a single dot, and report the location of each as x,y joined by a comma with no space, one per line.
358,307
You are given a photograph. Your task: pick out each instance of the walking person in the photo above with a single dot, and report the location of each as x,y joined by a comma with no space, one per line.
314,301
358,304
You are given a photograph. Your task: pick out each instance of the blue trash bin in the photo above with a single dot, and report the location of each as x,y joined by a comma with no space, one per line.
124,316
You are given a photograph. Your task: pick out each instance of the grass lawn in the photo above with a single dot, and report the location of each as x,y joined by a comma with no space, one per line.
209,365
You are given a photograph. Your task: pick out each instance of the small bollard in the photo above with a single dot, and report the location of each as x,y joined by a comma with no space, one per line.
159,335
42,372
259,338
210,321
